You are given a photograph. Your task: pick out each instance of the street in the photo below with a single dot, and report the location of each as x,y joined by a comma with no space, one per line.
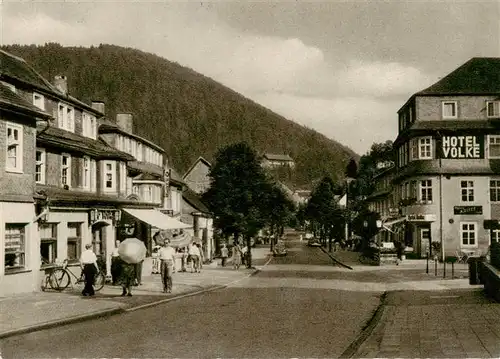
286,310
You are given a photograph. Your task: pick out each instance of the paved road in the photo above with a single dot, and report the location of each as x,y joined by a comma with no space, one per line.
282,312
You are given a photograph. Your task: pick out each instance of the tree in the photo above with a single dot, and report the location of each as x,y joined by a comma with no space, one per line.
238,193
324,212
279,210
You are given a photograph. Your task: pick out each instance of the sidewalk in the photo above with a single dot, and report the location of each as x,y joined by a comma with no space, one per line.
40,310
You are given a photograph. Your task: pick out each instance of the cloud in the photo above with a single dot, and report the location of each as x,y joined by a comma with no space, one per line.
352,103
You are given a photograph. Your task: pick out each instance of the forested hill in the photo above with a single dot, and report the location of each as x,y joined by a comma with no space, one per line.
188,114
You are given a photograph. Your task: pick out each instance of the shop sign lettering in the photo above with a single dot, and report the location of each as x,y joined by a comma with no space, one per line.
96,215
457,210
457,147
421,217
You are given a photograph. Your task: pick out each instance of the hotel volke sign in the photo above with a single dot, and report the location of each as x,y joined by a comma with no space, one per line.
462,147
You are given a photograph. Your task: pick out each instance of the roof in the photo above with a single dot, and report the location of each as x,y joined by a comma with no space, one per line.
11,101
17,69
107,126
200,159
146,167
175,177
277,157
195,201
72,142
479,75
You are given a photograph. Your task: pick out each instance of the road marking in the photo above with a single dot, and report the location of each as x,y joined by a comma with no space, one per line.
444,296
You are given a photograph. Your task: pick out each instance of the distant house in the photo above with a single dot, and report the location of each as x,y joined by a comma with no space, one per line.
270,160
196,177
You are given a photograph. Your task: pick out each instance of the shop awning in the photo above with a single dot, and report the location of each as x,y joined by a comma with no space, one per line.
156,219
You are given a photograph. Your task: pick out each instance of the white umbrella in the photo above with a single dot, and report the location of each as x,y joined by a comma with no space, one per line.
132,250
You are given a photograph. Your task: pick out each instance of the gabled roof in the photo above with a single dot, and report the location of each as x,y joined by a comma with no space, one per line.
195,201
70,141
175,178
200,159
277,157
478,76
12,102
14,68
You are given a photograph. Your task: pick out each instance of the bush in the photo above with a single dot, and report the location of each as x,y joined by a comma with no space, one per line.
495,255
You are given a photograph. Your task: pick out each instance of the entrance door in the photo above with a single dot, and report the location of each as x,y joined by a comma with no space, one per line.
425,241
99,239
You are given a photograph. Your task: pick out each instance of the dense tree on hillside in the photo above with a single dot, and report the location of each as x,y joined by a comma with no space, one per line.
183,111
239,193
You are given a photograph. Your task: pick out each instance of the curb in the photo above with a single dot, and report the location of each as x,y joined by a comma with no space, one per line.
61,322
335,259
366,331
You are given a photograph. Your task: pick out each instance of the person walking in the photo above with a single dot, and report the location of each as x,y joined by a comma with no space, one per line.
88,263
127,277
167,258
194,254
115,263
224,254
236,255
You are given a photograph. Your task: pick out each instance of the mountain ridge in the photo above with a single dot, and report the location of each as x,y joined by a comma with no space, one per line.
183,111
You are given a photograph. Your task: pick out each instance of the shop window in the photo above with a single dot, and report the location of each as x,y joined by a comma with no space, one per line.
467,191
14,246
468,234
495,190
426,190
48,242
74,241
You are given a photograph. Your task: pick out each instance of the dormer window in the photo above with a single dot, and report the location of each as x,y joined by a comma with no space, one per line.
89,125
39,101
492,109
449,109
66,117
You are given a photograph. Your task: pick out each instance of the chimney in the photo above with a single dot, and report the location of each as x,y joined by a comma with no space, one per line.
99,106
124,122
61,83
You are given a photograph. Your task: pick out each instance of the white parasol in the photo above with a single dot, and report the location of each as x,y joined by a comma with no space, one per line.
132,250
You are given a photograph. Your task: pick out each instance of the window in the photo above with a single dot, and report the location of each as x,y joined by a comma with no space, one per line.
133,146
468,234
14,162
93,175
495,190
449,109
492,108
14,246
494,146
89,125
467,191
65,169
495,235
425,148
48,242
426,190
66,117
40,161
86,173
39,101
139,152
148,193
109,175
74,241
123,177
135,189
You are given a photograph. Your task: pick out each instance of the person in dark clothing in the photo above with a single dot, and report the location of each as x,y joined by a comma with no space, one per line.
88,263
127,278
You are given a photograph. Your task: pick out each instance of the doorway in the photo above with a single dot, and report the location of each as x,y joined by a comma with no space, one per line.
99,238
425,241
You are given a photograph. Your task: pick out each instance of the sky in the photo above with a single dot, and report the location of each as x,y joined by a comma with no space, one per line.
343,68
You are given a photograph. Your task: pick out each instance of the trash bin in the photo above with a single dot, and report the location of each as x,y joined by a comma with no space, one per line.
474,268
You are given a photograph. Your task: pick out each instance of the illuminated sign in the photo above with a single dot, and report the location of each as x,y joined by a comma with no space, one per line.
458,147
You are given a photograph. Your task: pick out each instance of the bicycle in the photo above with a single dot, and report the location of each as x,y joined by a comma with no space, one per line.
59,278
